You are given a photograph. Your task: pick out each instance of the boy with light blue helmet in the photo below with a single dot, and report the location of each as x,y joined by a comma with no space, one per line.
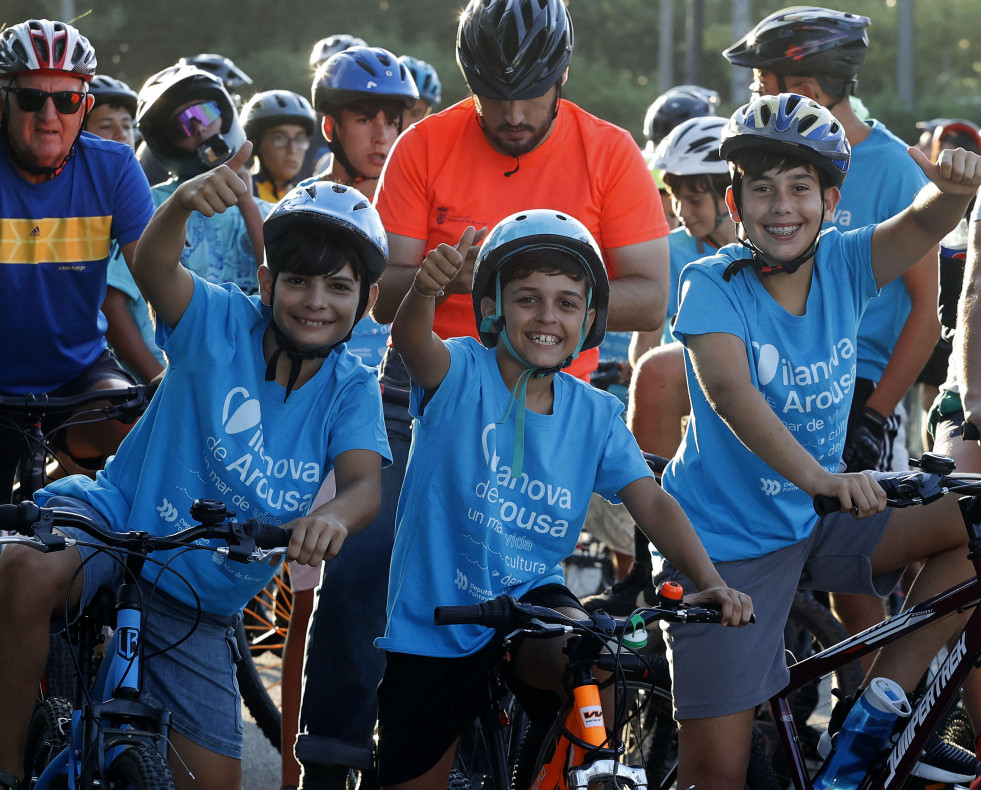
498,415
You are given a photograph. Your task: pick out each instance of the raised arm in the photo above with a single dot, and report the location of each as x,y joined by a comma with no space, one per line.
720,364
901,241
426,356
157,268
968,344
639,293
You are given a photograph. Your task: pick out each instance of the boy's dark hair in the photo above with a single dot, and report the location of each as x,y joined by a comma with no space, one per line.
700,183
753,162
371,107
313,254
550,262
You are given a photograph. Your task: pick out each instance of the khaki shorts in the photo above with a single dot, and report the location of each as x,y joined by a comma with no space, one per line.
610,524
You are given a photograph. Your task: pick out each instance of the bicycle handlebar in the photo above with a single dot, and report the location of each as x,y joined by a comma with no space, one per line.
907,489
124,401
505,613
247,540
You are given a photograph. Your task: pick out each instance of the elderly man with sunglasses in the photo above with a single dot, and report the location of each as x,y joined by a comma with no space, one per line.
66,197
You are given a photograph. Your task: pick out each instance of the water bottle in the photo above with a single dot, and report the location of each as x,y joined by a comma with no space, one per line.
864,733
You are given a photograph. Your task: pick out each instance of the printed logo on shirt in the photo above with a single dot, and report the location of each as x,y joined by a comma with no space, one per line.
167,511
770,487
461,580
271,480
35,232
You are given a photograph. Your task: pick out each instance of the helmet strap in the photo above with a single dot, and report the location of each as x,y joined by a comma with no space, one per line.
495,323
758,259
294,353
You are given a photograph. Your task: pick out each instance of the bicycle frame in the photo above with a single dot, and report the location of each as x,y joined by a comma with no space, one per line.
937,699
113,716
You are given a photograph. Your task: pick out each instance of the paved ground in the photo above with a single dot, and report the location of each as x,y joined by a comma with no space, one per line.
260,763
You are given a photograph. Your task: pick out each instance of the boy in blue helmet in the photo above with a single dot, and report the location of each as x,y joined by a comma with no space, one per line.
260,403
491,431
769,329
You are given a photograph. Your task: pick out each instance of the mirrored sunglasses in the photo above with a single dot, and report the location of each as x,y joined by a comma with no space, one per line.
32,100
205,113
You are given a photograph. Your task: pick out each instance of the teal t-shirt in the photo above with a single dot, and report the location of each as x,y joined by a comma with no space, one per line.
466,530
805,368
217,429
882,181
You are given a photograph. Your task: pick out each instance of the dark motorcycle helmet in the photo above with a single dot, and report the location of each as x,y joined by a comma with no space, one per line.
161,95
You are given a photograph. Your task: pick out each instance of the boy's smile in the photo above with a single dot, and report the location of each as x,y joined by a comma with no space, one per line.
782,211
543,316
314,311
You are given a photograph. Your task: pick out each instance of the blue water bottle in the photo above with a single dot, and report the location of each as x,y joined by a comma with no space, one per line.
865,732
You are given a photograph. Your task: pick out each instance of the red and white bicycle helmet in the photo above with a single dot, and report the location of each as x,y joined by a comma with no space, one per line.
45,46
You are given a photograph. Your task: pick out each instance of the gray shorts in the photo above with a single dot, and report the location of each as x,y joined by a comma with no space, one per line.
718,671
195,680
610,524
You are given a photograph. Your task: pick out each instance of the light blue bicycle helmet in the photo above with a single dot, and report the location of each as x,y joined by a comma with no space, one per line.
426,79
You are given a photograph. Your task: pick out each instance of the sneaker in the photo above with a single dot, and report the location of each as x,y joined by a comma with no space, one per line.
939,762
620,599
944,762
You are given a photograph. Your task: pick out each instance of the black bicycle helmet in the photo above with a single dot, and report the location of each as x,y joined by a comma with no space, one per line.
46,46
231,76
807,41
426,79
326,48
675,106
107,89
511,50
272,108
167,90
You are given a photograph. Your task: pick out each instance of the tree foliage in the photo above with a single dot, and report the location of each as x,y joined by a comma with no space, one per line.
614,71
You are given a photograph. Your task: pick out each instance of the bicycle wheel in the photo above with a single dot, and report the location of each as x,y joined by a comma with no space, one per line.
48,733
260,637
485,743
810,628
139,768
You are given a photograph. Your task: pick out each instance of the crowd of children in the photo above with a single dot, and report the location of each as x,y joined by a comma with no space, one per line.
775,332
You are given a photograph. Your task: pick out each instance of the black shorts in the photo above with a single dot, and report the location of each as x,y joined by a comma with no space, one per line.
425,703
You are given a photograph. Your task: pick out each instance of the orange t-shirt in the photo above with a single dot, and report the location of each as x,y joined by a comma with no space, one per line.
443,175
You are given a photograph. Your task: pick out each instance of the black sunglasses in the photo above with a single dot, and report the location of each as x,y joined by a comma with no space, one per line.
32,100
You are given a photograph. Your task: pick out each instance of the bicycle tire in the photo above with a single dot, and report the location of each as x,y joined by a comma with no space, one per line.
255,695
473,762
262,634
811,627
49,732
139,768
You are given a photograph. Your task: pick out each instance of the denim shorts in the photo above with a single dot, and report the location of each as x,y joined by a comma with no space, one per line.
194,680
717,671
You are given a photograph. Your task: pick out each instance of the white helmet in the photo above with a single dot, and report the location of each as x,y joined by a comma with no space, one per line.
692,148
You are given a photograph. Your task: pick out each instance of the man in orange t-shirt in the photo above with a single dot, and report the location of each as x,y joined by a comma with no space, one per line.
513,145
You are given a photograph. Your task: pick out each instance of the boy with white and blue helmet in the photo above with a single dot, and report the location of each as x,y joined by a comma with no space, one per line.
429,87
769,328
488,412
267,380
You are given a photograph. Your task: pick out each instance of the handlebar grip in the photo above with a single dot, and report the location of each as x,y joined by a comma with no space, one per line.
19,518
826,505
495,613
269,536
970,432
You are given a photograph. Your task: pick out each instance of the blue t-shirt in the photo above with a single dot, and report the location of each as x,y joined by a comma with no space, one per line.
54,244
684,249
369,339
882,181
217,429
805,367
121,279
468,531
218,248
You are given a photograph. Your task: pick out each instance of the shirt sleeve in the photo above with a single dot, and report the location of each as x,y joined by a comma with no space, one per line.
357,420
402,198
707,304
622,462
133,205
